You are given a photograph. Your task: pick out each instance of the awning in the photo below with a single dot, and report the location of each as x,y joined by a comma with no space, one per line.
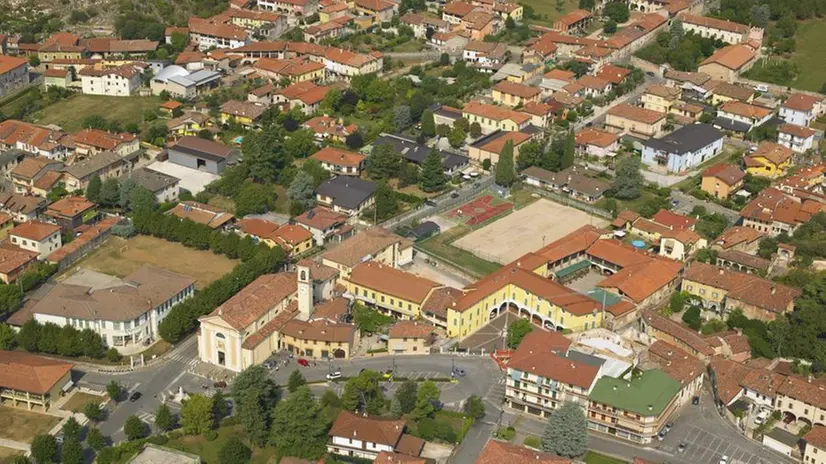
68,385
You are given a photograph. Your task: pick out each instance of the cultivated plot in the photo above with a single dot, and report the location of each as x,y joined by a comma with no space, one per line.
526,230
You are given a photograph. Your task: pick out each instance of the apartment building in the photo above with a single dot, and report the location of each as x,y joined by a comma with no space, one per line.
14,73
683,149
392,291
39,237
639,122
713,28
801,109
122,81
799,138
207,34
492,118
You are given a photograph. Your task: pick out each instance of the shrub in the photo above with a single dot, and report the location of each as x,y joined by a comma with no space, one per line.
692,318
211,435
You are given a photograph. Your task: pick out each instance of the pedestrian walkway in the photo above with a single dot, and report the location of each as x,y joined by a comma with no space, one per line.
16,445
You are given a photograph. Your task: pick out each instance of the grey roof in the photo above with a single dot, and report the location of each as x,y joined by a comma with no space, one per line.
17,203
202,148
425,229
731,124
153,181
197,78
584,358
95,164
416,152
572,178
347,191
169,72
783,436
14,154
686,139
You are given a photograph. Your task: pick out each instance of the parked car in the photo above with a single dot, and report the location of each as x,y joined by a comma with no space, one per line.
219,384
724,459
761,88
695,401
459,372
135,396
269,364
661,435
454,195
761,417
334,375
303,362
387,374
681,448
668,427
431,203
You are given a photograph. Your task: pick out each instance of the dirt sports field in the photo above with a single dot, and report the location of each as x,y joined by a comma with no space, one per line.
521,232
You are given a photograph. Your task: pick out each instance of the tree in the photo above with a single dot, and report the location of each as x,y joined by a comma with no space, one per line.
264,155
354,141
253,198
110,192
617,11
566,434
93,189
234,451
255,395
406,396
126,187
34,61
95,439
163,418
386,203
362,390
297,426
505,174
475,130
401,117
628,180
197,415
568,150
11,297
93,411
7,337
428,124
529,155
71,451
444,59
433,176
219,405
760,15
301,192
134,428
677,302
517,331
383,162
426,399
71,429
114,390
141,199
692,318
456,137
474,407
300,143
609,27
295,381
44,448
677,32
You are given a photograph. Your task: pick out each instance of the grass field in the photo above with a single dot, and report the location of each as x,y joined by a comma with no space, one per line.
633,205
80,399
69,113
121,257
20,425
547,10
810,55
596,458
441,246
208,450
7,453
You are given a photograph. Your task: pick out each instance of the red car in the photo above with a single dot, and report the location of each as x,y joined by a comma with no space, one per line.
304,362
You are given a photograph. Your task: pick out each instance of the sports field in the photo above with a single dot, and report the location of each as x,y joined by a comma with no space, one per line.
525,230
810,54
480,210
120,257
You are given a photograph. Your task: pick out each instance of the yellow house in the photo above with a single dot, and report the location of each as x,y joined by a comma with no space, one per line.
770,160
508,10
660,98
292,238
319,338
190,124
410,337
294,69
640,122
722,180
243,113
375,244
492,118
392,291
511,94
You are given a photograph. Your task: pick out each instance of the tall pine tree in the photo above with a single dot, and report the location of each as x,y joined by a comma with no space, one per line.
568,150
93,190
428,124
505,174
386,204
567,431
628,180
433,172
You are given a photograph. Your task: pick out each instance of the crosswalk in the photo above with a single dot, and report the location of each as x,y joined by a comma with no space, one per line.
184,359
147,417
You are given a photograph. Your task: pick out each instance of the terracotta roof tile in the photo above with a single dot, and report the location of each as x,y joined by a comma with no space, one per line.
635,113
816,437
801,102
748,288
499,452
392,281
728,173
377,430
35,230
733,57
254,300
30,373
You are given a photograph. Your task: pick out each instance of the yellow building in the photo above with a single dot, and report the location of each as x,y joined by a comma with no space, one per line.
815,445
410,337
722,180
319,338
392,291
770,160
511,94
492,118
292,238
660,98
190,124
243,113
375,244
31,381
640,122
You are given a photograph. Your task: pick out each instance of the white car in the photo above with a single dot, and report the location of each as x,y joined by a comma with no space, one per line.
334,375
762,88
724,459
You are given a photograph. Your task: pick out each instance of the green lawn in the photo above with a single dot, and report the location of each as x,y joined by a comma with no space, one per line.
596,458
69,113
547,11
208,450
440,246
810,55
633,205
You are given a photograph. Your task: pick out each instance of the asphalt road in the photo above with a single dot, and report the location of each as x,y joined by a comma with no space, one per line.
686,203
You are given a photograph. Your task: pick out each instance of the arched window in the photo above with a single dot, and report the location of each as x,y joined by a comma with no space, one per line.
220,335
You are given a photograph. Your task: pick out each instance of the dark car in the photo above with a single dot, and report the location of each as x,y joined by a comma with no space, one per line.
459,372
681,448
430,203
220,384
304,362
454,195
695,401
135,397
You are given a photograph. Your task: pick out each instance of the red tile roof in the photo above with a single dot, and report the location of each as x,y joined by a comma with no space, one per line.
30,373
728,173
35,230
801,102
673,220
500,452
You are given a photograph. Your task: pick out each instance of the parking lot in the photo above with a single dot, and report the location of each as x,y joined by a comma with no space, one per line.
703,447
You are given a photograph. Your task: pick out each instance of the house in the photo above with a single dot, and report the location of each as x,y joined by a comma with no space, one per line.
346,194
595,142
329,30
22,208
263,24
365,437
770,160
496,451
718,29
416,153
454,12
728,62
541,52
799,138
801,109
678,364
802,400
616,401
453,41
738,238
740,117
108,47
56,77
722,180
573,21
518,73
324,224
639,122
122,81
165,187
210,216
90,142
680,244
511,94
14,73
743,262
722,291
292,238
660,98
36,236
181,83
390,290
773,212
674,333
328,128
31,138
14,261
242,113
34,175
293,69
589,86
200,154
725,92
189,124
613,74
207,34
815,445
293,7
543,373
781,441
191,60
104,165
423,25
571,181
340,161
374,244
319,338
491,145
380,10
410,337
485,53
71,212
33,381
555,79
683,149
492,118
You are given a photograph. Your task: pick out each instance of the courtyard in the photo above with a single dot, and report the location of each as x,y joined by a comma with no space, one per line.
121,257
525,230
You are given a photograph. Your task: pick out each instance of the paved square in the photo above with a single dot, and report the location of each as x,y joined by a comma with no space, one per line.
526,230
705,448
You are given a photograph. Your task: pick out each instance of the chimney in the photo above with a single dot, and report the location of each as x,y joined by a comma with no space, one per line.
774,289
722,272
650,407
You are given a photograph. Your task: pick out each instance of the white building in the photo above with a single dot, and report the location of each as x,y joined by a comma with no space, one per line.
14,73
365,437
117,82
727,31
683,149
799,138
801,109
215,35
125,313
37,236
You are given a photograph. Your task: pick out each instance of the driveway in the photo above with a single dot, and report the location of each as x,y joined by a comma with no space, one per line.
437,273
686,203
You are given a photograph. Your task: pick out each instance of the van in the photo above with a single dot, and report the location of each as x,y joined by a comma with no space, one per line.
761,417
761,88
